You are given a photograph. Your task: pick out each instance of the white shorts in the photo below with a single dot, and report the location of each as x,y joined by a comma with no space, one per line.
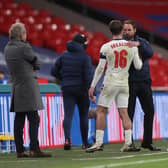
110,93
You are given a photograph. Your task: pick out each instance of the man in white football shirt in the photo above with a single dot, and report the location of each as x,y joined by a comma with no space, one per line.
118,55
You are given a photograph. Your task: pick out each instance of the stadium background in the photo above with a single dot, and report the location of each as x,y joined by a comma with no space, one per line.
51,24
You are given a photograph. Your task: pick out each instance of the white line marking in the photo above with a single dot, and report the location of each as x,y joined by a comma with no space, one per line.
129,163
120,157
17,161
145,154
105,151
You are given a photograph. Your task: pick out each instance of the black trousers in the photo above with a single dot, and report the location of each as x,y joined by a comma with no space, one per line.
76,96
143,91
33,130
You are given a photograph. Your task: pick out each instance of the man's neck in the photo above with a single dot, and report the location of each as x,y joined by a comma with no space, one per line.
114,37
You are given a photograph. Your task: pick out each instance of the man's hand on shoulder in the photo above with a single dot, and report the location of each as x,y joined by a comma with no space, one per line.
133,44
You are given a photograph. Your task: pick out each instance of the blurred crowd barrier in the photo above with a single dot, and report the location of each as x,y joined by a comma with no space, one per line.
51,132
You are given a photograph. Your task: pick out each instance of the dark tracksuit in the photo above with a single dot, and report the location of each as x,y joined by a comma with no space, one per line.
74,69
140,86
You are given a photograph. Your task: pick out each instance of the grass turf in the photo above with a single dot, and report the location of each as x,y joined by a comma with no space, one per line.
76,158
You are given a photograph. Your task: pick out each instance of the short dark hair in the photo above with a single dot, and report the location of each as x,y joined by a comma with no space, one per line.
132,22
115,27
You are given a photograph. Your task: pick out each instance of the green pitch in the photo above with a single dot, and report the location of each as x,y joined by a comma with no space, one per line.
108,158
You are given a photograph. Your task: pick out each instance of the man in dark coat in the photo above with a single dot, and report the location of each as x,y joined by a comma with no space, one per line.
25,98
73,68
140,84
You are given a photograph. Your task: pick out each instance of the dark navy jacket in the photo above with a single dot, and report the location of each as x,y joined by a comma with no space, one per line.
73,67
146,52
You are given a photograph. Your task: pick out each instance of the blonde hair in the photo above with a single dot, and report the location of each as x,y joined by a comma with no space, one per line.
16,30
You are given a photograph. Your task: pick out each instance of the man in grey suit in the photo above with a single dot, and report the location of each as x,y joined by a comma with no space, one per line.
25,98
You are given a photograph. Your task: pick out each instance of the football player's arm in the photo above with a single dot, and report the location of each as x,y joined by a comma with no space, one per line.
98,72
137,60
144,48
97,75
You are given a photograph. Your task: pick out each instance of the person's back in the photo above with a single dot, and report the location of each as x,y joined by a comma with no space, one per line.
73,67
17,60
73,63
119,57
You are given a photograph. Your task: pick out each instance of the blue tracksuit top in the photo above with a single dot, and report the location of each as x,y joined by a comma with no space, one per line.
146,52
73,67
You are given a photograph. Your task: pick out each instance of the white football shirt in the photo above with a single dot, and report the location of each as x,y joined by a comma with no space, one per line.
118,56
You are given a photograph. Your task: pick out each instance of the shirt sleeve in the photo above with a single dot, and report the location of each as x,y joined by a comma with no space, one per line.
98,72
103,51
136,60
